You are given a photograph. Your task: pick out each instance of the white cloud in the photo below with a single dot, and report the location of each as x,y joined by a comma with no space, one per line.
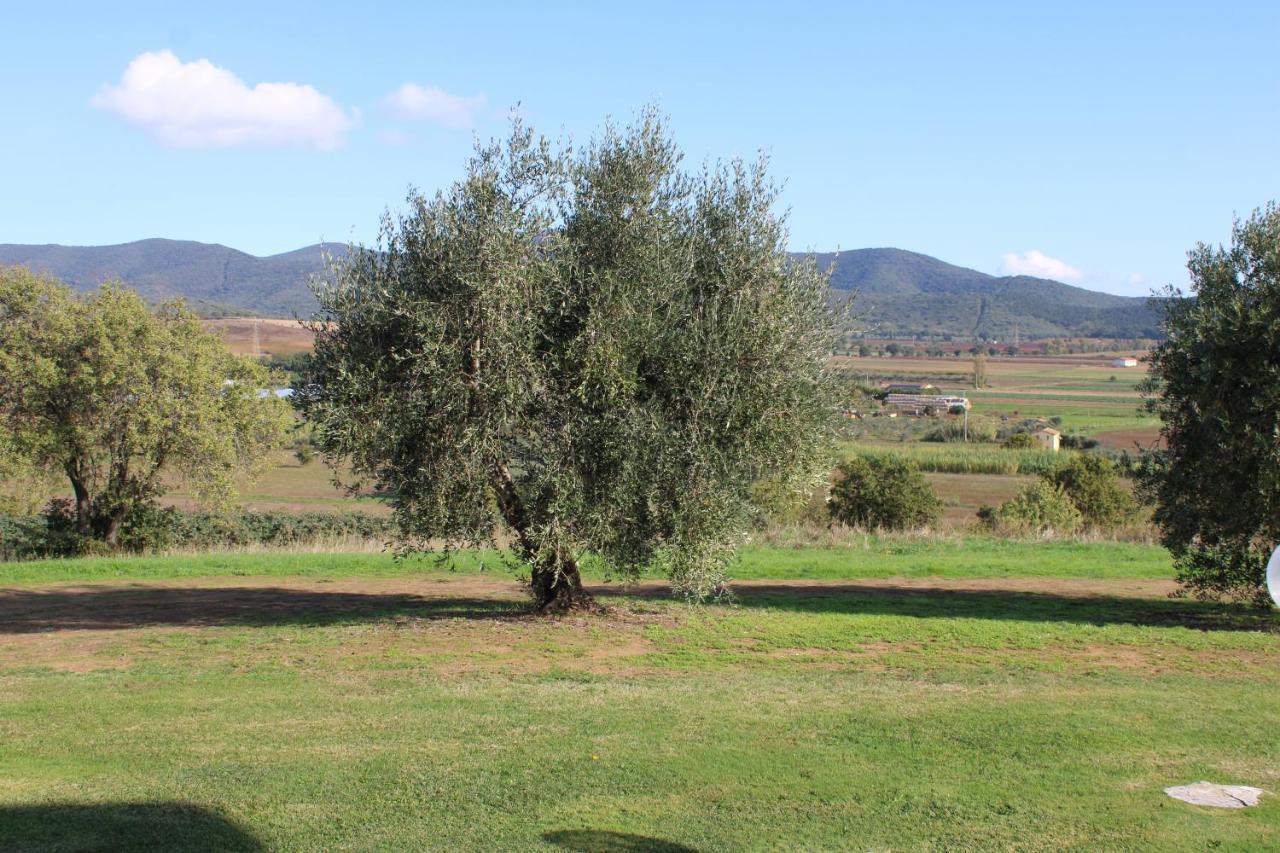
412,101
1136,278
199,105
1038,264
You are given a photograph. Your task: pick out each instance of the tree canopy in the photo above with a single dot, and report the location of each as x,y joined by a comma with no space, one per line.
578,350
1215,383
116,397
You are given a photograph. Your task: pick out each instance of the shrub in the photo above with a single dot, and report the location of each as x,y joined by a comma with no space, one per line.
1040,507
149,528
883,492
1092,485
1021,441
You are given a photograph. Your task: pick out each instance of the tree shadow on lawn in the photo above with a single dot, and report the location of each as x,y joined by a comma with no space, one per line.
120,826
114,608
941,602
605,841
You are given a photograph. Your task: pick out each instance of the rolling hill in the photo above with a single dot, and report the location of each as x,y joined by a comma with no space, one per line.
902,293
899,293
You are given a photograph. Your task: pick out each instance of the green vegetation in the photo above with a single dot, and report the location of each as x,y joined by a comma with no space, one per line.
960,458
1092,484
1214,384
1041,507
882,493
151,529
117,398
591,350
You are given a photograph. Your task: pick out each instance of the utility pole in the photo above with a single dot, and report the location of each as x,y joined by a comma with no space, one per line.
257,345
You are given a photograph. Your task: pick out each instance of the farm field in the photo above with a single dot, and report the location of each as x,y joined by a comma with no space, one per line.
902,692
1085,391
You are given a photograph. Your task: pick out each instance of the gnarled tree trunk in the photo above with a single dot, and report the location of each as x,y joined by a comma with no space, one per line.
555,581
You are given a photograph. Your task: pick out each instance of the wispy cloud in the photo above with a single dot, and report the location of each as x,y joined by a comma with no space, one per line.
415,102
1037,263
200,105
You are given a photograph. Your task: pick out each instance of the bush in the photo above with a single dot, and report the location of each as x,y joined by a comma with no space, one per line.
1093,486
1040,507
1021,441
883,492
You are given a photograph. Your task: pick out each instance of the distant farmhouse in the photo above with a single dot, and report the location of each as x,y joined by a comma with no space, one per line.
1124,362
1049,438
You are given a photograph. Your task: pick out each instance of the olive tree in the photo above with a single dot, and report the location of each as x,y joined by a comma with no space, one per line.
577,351
116,397
1215,383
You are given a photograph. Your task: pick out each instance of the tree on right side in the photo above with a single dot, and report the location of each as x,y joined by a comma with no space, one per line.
1215,383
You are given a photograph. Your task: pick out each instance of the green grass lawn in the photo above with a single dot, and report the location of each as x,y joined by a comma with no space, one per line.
897,694
862,557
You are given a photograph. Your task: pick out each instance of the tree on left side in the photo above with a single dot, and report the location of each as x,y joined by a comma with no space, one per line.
123,400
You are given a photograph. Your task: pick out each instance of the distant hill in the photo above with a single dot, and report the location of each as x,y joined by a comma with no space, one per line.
905,293
214,279
899,293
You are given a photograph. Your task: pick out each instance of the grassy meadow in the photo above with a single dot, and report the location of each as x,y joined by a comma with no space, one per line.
894,693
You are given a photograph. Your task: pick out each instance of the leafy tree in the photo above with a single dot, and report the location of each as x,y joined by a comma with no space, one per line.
883,492
1215,383
115,397
590,350
1093,485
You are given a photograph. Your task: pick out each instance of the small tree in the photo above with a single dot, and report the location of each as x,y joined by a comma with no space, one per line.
115,397
883,492
979,369
1215,383
1093,485
592,350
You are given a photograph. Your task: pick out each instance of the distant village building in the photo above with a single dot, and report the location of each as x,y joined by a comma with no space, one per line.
1049,438
1124,362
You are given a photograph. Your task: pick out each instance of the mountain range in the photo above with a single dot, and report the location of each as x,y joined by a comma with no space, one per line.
898,293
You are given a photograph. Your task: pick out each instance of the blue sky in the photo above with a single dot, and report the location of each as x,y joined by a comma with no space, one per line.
1092,142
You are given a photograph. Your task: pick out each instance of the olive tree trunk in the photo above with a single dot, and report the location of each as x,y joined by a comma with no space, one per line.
554,578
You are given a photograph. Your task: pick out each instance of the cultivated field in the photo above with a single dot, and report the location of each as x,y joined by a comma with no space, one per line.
1085,391
901,693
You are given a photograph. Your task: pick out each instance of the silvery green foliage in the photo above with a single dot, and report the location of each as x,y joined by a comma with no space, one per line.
591,349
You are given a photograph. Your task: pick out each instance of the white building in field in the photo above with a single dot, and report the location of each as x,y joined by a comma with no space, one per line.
1124,362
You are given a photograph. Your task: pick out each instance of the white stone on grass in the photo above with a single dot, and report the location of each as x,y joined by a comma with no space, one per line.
1220,796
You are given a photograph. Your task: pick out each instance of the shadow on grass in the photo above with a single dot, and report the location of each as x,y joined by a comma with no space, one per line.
113,608
941,602
120,826
604,841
